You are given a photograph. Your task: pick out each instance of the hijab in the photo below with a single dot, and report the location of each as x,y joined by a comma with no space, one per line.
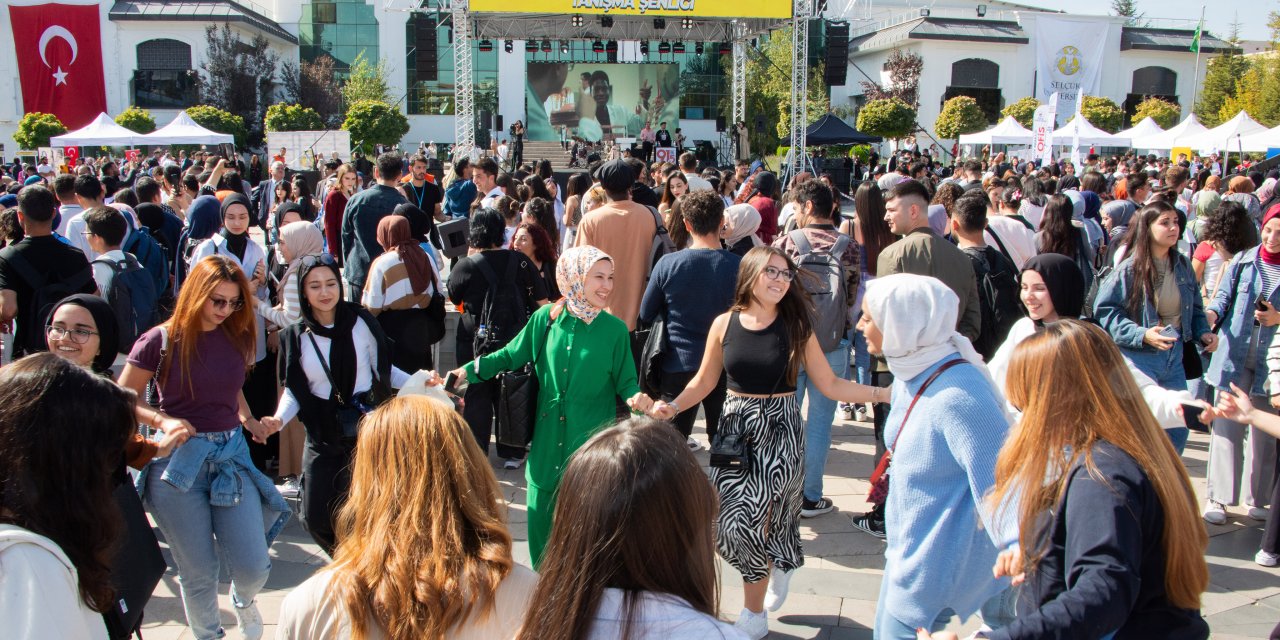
1077,203
108,330
1267,189
1240,184
204,218
342,345
1207,202
393,235
1069,182
237,243
1267,256
302,238
938,219
1063,279
420,223
571,276
1092,205
283,209
741,221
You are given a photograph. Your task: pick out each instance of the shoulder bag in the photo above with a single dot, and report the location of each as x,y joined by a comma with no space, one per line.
137,566
880,477
731,448
652,356
518,399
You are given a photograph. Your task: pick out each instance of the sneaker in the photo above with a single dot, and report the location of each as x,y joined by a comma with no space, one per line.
754,625
512,463
776,593
860,414
1267,559
867,524
249,621
846,412
810,509
693,444
290,488
1259,513
1214,513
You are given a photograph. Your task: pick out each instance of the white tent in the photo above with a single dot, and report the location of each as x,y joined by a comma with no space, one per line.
1007,132
1147,127
1175,136
1261,141
1089,135
1226,137
184,130
102,132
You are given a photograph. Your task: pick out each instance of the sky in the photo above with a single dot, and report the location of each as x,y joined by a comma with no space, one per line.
1218,15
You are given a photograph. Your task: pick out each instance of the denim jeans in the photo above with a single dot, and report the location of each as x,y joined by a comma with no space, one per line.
199,534
1165,367
996,612
861,359
817,423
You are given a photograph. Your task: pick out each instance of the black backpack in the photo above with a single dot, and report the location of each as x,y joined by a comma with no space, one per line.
826,286
662,243
504,312
45,295
132,296
999,297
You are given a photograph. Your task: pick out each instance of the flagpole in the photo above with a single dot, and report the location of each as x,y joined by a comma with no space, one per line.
1195,87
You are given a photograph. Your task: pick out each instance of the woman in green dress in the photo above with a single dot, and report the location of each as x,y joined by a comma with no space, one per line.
581,356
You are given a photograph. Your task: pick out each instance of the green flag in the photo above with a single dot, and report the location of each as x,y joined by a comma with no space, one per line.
1195,42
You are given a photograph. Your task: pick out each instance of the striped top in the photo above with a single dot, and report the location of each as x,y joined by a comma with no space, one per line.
1270,274
388,287
289,310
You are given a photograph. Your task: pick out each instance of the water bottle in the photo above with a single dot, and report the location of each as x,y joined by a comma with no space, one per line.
482,332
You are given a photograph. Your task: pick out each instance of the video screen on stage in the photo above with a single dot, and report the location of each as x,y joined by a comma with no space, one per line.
600,101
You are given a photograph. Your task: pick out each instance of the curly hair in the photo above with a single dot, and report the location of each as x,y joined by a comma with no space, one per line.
1230,227
947,194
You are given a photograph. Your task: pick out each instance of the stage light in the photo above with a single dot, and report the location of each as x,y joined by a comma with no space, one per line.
606,22
486,45
686,23
507,46
664,47
531,46
546,46
597,47
698,48
726,48
612,46
982,11
576,21
924,13
659,23
644,48
564,47
677,47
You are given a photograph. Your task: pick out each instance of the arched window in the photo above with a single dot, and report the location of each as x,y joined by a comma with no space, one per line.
164,78
1155,81
164,54
976,73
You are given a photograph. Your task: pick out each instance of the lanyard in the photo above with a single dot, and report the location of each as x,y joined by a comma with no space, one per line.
419,194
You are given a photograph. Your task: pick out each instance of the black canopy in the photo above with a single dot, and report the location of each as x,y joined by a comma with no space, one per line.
832,130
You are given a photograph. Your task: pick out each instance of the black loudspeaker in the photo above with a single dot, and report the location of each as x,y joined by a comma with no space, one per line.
426,55
837,68
759,124
497,122
720,124
484,118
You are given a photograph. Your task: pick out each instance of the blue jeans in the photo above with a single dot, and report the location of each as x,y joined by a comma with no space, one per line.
818,419
199,534
861,359
996,612
1165,367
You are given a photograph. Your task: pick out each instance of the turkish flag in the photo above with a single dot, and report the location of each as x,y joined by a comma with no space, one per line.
59,49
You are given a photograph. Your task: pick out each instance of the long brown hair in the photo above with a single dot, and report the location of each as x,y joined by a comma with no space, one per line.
1074,390
795,306
185,326
1139,240
635,513
422,540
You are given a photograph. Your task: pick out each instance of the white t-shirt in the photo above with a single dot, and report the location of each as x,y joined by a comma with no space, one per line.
40,591
318,381
1017,239
658,615
697,183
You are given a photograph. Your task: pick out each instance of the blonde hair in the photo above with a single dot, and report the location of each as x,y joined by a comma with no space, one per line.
422,539
594,197
1075,390
342,171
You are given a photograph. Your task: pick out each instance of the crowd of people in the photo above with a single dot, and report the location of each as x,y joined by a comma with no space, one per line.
1032,345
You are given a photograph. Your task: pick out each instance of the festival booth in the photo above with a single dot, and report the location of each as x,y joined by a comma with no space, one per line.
1175,136
1262,141
184,130
1227,137
1009,131
1144,129
102,132
1082,131
832,130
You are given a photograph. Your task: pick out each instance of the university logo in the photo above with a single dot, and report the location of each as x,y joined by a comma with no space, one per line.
1068,60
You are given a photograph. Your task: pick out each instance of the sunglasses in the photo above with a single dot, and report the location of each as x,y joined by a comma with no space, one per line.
222,303
313,259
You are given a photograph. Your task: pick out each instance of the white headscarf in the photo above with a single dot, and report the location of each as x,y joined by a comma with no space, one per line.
741,221
917,317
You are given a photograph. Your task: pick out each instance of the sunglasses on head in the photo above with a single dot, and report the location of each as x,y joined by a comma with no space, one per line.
313,259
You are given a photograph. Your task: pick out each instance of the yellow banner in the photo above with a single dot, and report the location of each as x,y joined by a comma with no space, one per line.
677,8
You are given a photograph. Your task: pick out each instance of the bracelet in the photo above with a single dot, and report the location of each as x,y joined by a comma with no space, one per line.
672,403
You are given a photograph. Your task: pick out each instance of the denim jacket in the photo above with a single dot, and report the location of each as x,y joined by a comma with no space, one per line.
1113,312
228,453
1237,329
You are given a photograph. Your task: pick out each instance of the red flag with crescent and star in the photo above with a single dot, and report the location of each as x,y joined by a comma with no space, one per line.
59,50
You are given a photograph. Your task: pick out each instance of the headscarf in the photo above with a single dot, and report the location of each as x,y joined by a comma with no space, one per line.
1069,182
1240,184
571,276
420,223
283,209
1213,183
1092,205
393,235
917,319
342,346
742,221
1077,203
1121,213
237,243
938,219
204,218
302,238
1207,202
108,330
1267,256
1063,279
1267,189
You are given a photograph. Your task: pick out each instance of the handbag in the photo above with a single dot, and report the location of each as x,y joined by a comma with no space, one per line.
731,448
435,312
351,410
880,477
518,400
137,566
652,356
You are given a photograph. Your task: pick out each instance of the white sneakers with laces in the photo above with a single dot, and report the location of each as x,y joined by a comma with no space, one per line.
754,625
1214,513
779,585
249,620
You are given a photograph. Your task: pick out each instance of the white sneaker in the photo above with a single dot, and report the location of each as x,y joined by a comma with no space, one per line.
754,625
1267,559
250,621
290,488
779,585
512,463
1259,513
1214,513
692,444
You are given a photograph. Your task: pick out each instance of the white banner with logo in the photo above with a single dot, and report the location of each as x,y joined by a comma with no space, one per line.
1042,127
1069,57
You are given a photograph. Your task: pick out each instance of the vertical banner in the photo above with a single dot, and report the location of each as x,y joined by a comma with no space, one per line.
59,51
1075,133
1069,57
1042,130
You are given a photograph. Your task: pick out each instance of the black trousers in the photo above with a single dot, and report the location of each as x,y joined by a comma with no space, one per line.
712,405
481,406
260,392
326,479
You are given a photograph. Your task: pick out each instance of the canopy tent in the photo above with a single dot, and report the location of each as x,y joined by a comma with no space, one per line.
1009,131
102,132
1175,136
184,130
1261,141
1088,135
1226,137
1147,127
832,130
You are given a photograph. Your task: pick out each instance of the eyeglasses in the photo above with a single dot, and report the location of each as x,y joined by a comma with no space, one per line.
221,303
78,336
773,273
314,259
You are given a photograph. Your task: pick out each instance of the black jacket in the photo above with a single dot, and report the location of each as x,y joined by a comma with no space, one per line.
1105,567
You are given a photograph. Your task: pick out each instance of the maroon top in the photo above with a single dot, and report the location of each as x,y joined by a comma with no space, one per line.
208,394
334,204
768,209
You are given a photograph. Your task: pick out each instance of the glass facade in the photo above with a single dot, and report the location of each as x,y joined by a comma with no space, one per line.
164,78
340,28
435,96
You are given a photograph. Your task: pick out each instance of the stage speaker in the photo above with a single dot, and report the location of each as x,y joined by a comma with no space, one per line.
484,118
497,124
837,68
426,55
720,124
759,124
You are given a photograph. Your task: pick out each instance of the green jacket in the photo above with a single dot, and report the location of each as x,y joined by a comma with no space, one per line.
924,252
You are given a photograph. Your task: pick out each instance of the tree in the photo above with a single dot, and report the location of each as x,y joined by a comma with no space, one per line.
313,84
366,82
768,91
887,118
1128,9
904,69
292,117
1024,111
959,115
1220,79
35,129
215,119
372,123
1102,113
238,77
137,120
1165,113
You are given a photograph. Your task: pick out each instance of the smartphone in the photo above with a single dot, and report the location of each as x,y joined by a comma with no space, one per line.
1191,416
455,384
1261,303
1169,331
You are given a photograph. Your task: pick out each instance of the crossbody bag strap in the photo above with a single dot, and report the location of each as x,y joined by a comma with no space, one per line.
333,386
928,381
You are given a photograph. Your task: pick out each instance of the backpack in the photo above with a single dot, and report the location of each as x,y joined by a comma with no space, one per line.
504,312
998,295
662,243
45,295
132,296
826,287
142,246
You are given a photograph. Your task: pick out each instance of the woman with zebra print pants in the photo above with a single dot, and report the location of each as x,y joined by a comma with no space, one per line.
760,344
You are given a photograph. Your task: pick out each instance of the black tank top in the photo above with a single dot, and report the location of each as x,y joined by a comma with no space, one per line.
755,362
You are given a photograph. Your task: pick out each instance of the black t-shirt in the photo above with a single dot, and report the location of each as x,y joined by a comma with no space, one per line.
57,262
642,194
467,286
426,198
